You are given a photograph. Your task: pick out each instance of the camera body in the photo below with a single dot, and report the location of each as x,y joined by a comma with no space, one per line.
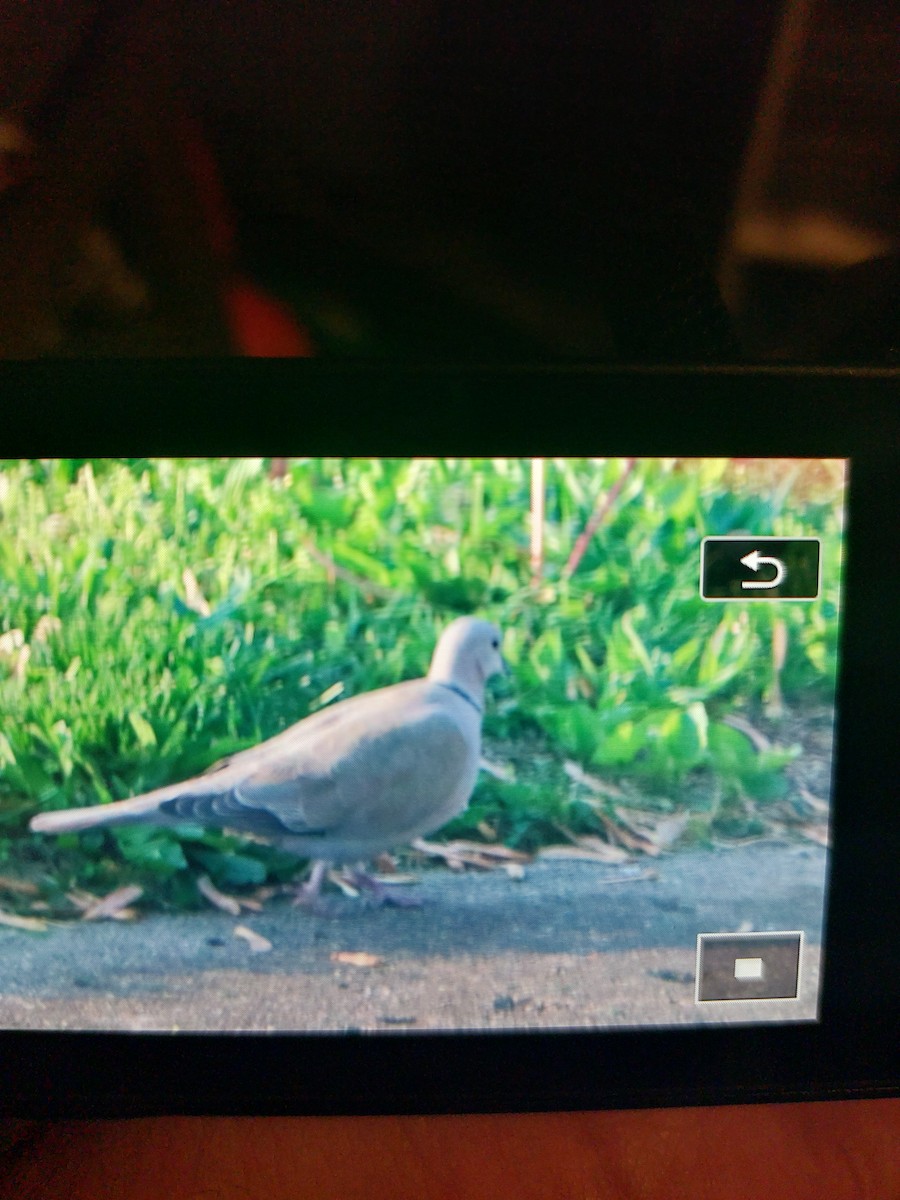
673,882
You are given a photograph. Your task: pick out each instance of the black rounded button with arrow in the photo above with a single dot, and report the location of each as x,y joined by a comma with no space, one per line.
773,568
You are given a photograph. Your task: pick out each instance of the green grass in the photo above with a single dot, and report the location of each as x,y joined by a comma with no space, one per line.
156,616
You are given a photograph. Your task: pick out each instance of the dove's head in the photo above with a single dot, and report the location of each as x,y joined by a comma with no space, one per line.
468,654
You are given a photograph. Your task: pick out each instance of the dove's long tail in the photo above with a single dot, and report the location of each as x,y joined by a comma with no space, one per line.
121,812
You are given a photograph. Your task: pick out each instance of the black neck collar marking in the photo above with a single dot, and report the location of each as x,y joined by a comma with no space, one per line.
454,687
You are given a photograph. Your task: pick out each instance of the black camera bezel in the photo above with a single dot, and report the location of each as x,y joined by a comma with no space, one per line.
239,406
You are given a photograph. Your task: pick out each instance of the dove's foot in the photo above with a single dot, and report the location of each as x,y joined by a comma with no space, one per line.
309,894
382,893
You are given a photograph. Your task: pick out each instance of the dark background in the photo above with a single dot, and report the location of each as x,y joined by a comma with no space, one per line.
471,181
481,179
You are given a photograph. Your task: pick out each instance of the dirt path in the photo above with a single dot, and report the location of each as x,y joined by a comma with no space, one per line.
570,944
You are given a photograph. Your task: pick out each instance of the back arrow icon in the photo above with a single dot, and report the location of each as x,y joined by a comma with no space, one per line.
754,560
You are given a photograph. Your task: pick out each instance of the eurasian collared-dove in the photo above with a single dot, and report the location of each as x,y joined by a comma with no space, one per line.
353,780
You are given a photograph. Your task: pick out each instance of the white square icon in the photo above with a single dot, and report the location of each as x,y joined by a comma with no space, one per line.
748,968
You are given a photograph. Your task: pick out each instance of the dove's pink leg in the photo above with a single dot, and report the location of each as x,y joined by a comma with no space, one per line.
309,894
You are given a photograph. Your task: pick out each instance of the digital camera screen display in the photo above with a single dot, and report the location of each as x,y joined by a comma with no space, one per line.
408,745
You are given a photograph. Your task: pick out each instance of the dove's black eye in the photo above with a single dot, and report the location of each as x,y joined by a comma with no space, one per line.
495,644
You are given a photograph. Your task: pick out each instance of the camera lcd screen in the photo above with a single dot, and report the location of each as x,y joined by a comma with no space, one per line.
553,742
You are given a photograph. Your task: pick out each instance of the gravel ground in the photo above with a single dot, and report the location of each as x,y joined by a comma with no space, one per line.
570,944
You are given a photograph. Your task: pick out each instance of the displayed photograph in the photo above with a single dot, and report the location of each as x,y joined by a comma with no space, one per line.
325,745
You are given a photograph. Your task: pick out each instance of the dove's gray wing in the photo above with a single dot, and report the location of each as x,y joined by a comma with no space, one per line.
394,765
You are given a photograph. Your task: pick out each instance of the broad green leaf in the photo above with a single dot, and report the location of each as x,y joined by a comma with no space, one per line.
234,869
577,728
731,752
151,849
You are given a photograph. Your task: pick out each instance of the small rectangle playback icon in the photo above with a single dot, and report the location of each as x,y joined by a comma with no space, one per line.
748,966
